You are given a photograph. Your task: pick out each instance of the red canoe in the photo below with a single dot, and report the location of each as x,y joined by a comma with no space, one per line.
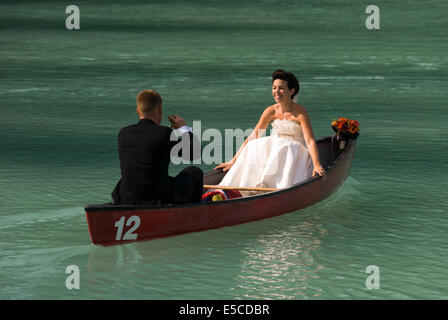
113,224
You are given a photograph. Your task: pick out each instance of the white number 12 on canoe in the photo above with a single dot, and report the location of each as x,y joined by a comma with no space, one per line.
129,235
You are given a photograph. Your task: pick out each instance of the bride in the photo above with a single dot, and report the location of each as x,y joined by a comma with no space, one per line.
289,155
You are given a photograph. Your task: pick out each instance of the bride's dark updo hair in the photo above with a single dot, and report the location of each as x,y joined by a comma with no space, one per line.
288,77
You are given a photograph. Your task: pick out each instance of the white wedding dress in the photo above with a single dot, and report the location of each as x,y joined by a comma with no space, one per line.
277,161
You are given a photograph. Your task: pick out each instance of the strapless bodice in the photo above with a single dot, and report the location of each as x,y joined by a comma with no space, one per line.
288,129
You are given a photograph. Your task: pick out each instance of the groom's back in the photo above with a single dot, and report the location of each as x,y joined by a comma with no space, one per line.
144,151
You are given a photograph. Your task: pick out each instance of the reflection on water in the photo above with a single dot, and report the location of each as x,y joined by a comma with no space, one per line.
281,264
110,270
114,257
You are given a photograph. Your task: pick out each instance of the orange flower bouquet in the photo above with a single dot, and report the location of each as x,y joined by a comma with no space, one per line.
346,128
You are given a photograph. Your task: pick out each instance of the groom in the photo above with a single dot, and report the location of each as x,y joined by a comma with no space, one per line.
144,150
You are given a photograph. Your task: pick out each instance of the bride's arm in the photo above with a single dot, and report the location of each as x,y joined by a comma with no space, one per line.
311,143
259,130
266,117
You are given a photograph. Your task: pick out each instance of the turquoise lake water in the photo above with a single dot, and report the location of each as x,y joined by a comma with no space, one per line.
64,94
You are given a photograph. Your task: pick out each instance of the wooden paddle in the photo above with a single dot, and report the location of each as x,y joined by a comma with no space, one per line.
206,186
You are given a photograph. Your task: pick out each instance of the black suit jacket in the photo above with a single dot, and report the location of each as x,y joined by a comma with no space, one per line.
144,151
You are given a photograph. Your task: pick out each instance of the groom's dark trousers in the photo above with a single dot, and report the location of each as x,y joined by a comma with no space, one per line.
144,151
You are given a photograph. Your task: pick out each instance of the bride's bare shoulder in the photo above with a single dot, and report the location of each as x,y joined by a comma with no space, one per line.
301,111
271,110
268,115
301,115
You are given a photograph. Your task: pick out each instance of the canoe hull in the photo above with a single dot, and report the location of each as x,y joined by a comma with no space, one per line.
114,224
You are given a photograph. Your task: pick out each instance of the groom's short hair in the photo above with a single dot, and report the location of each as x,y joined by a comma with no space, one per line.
148,101
293,82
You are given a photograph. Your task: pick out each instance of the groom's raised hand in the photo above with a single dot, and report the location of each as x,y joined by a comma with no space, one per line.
177,122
